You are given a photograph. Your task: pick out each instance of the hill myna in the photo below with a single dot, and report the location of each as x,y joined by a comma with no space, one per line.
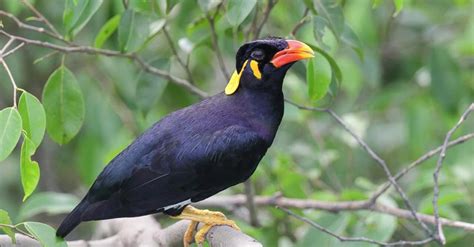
198,151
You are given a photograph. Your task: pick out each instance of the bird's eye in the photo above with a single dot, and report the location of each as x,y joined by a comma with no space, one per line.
258,55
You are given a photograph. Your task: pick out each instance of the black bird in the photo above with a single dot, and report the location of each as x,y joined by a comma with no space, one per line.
198,151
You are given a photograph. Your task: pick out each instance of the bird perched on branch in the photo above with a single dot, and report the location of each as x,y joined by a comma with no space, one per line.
198,151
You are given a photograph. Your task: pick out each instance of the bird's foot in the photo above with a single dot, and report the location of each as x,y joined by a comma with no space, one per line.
189,233
208,218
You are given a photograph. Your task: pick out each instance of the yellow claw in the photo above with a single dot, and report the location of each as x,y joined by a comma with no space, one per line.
208,218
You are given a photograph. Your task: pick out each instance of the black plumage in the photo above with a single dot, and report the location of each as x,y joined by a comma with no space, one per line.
195,152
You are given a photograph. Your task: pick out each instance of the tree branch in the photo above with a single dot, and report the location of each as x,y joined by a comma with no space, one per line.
375,157
23,25
7,69
43,19
215,44
354,239
96,51
442,155
383,165
266,14
145,231
278,200
249,194
300,24
419,161
175,52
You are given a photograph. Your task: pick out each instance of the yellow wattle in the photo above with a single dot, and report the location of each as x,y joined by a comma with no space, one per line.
255,69
234,81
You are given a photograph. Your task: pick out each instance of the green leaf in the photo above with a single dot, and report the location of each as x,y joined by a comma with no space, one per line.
319,26
332,12
149,87
207,5
335,68
376,3
13,7
375,226
125,28
336,77
77,15
336,223
350,38
142,5
106,31
47,202
29,169
10,131
309,4
353,195
238,10
33,117
446,82
168,7
156,26
318,77
133,30
398,6
5,219
290,182
448,198
45,234
64,105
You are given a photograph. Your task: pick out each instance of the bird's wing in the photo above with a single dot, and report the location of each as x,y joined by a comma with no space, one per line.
194,168
203,163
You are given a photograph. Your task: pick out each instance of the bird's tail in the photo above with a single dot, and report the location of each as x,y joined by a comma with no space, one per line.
72,220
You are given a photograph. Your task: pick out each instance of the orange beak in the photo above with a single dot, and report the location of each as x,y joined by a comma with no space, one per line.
295,51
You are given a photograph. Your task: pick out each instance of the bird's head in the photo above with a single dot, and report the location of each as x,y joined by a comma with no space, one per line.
263,63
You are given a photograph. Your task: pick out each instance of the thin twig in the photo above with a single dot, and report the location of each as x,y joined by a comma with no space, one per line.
374,156
176,80
41,17
8,53
300,24
417,162
125,4
5,47
383,165
335,207
249,194
23,25
12,80
96,51
175,52
302,107
266,14
215,44
49,54
439,164
354,239
15,227
15,88
253,27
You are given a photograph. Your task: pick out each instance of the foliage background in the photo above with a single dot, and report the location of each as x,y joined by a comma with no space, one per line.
406,78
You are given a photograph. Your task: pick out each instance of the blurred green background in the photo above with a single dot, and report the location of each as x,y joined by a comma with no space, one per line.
406,79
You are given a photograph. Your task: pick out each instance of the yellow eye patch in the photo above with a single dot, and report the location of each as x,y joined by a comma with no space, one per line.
234,81
255,69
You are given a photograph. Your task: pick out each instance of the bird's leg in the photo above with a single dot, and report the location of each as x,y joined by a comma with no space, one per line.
208,218
188,234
